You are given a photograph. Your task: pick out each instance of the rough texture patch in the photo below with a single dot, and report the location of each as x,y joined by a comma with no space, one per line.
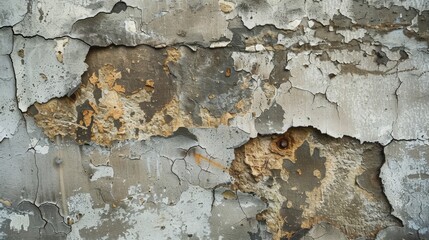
307,178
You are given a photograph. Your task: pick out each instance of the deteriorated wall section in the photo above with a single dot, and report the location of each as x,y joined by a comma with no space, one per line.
217,119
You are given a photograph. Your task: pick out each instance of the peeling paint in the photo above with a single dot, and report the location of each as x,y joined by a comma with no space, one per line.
55,72
220,119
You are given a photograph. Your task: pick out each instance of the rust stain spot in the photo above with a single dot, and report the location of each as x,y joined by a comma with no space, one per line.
93,106
70,221
113,104
228,72
310,222
198,158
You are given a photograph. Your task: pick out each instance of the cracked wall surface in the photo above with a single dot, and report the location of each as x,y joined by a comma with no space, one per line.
217,119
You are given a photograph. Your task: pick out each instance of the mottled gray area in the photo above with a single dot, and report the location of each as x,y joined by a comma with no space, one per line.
203,82
6,40
397,233
9,112
155,23
17,160
288,14
324,231
12,11
29,221
405,178
233,214
113,28
271,120
413,99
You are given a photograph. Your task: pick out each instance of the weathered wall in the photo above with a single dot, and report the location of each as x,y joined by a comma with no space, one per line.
228,119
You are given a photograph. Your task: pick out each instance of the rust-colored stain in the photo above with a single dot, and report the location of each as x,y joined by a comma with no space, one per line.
198,158
228,72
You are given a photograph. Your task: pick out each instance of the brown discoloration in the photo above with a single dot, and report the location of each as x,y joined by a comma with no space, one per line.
304,175
130,93
173,55
93,79
21,53
228,72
